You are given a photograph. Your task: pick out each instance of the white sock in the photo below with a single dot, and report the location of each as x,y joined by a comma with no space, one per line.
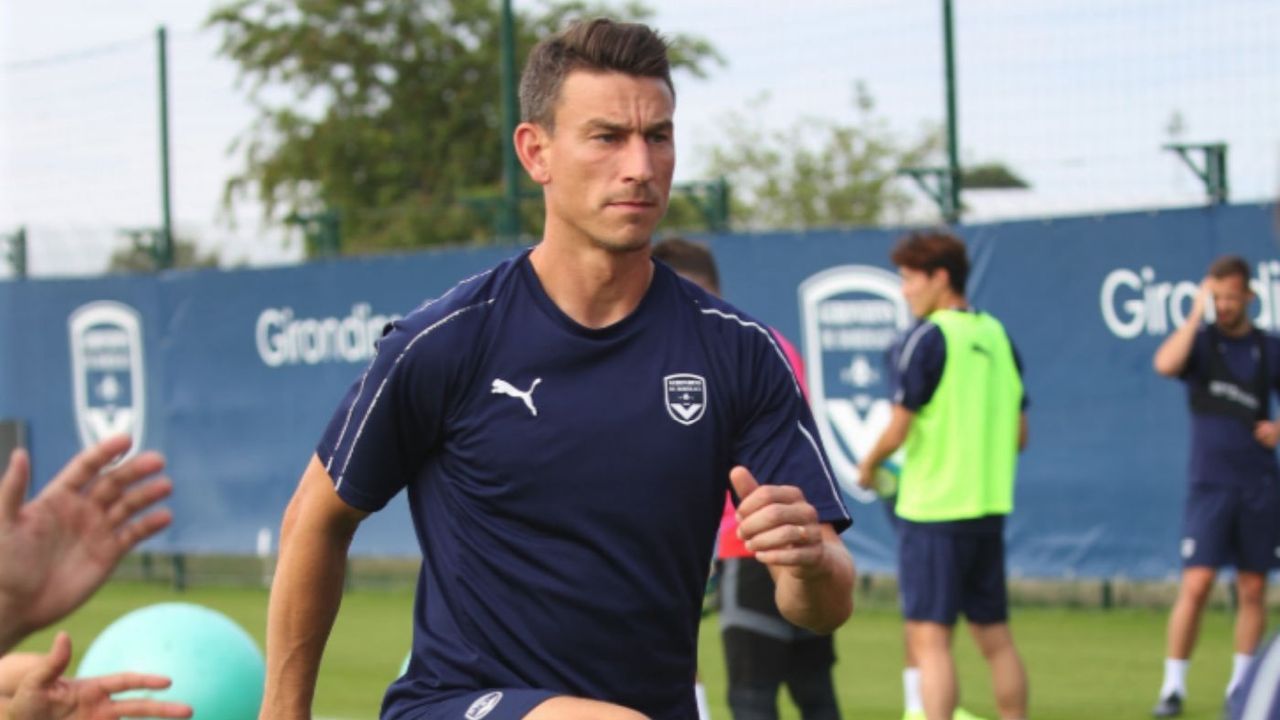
700,692
1239,666
911,690
1175,678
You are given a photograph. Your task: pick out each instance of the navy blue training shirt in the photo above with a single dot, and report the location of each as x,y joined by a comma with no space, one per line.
1224,452
566,483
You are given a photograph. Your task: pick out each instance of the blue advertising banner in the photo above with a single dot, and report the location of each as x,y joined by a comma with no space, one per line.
233,375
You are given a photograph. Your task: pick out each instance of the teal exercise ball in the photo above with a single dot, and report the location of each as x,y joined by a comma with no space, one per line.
215,665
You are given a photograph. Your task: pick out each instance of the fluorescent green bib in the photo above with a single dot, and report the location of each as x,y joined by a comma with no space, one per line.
962,450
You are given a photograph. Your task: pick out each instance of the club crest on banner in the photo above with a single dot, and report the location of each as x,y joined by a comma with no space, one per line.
850,316
686,397
107,372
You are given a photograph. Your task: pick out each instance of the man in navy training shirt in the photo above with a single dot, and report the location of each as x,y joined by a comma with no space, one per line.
566,425
1232,512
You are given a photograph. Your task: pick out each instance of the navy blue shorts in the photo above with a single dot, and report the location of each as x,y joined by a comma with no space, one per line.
1237,526
495,704
945,569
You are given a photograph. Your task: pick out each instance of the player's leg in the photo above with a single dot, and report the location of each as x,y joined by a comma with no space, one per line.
755,638
1251,619
1008,674
1206,532
912,704
1184,619
929,591
1257,546
931,644
571,708
986,605
809,678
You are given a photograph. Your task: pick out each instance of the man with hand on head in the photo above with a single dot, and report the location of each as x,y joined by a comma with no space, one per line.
55,551
1232,511
566,425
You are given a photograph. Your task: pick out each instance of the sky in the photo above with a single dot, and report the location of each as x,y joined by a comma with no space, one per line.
1077,96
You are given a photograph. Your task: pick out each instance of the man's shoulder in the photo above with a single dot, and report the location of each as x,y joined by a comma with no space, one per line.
455,314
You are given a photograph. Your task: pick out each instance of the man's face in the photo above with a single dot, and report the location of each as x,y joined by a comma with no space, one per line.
610,159
1231,298
923,290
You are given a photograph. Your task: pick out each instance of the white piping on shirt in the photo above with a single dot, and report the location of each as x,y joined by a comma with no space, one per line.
910,346
831,483
346,423
374,402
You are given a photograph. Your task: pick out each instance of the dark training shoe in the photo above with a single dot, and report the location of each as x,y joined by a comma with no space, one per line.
1168,707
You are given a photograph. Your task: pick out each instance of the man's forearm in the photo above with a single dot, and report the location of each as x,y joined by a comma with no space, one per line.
1171,356
305,597
821,598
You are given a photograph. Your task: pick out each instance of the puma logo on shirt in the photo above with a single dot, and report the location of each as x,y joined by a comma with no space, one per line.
502,387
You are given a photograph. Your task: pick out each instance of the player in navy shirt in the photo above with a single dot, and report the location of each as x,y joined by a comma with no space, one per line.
1232,512
566,425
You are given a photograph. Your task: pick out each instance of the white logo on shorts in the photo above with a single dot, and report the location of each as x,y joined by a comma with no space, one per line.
1188,547
483,705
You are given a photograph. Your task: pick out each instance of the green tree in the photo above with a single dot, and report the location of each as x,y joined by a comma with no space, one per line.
387,112
819,172
138,255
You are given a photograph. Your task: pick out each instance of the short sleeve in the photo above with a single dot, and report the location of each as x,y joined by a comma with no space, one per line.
777,440
919,365
389,421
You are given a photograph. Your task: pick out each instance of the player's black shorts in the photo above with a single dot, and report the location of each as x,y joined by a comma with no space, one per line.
760,646
1237,526
494,704
945,569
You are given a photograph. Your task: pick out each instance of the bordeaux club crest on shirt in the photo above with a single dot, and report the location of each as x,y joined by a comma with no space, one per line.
686,397
107,372
851,315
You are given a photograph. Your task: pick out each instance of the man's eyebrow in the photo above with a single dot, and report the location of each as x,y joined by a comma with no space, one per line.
609,126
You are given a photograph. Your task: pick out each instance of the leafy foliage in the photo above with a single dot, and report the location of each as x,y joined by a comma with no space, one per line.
819,172
387,112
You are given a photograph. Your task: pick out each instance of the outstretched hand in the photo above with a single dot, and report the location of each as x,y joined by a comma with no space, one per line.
777,523
58,548
45,695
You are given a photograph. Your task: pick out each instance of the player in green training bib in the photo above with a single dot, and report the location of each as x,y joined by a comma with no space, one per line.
959,415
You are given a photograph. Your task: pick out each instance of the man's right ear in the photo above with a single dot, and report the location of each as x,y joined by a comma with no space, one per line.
532,145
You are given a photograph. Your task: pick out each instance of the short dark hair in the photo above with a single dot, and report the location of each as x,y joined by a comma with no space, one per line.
932,250
688,258
599,45
1228,266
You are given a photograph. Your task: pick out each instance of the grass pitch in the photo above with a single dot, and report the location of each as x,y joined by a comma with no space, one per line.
1083,663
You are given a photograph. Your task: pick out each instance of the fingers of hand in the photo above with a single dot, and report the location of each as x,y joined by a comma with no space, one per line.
55,663
137,498
743,482
797,556
112,483
121,682
765,496
143,528
149,708
13,484
781,525
86,465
